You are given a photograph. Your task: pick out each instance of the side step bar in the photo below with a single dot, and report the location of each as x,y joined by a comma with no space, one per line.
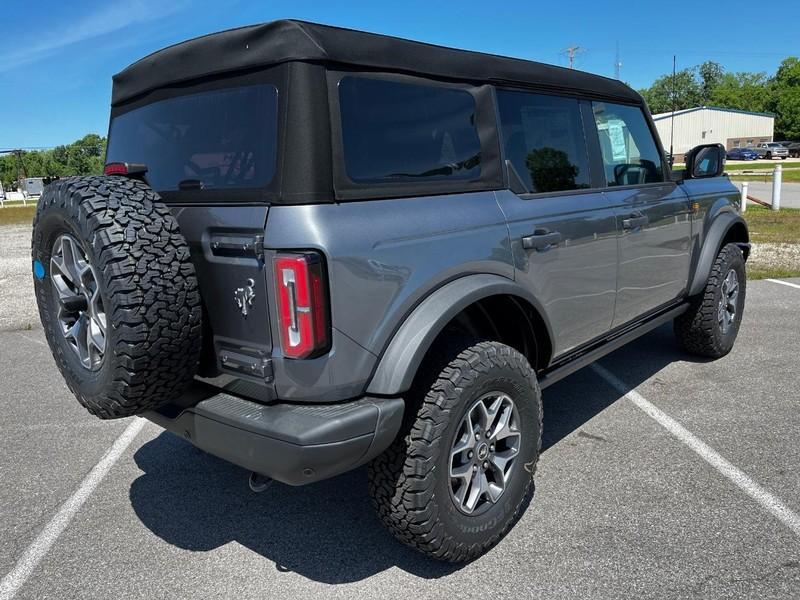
607,346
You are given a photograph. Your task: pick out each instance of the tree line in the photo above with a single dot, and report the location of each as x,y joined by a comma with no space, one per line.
709,84
82,157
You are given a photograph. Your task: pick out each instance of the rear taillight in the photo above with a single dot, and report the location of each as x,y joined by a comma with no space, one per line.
302,304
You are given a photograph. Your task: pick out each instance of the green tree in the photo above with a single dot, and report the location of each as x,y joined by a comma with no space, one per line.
687,92
82,157
711,74
743,91
786,99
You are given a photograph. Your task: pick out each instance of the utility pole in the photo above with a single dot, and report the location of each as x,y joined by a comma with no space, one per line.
571,52
617,63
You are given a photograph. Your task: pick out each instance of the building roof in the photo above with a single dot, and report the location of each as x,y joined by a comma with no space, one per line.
684,111
288,40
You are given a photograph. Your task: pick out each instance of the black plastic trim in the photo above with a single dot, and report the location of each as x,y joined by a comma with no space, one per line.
292,443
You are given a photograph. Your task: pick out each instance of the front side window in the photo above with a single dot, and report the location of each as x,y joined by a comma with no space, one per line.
222,139
543,139
400,132
630,153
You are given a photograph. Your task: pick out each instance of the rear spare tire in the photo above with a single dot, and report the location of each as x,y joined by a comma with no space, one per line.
117,294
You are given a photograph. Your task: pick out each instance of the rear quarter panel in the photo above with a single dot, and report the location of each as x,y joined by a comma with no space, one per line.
383,258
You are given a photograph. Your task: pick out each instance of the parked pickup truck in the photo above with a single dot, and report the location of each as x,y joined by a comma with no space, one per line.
315,248
770,150
793,147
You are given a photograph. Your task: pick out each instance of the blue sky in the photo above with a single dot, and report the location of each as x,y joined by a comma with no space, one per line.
57,57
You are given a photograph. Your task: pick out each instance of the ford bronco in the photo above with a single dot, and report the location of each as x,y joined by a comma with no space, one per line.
315,248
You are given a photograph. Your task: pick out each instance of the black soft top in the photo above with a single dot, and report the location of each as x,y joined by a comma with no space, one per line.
288,40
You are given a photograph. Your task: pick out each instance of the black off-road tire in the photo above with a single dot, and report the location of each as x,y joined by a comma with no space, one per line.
410,483
147,286
698,330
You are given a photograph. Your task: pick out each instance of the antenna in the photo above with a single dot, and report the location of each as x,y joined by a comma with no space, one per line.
571,51
617,63
672,117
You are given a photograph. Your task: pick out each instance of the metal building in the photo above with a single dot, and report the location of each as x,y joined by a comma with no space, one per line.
712,125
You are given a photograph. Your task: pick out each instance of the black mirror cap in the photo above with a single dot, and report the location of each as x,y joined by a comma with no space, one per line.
704,161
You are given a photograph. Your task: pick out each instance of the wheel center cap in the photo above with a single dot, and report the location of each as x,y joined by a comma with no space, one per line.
483,451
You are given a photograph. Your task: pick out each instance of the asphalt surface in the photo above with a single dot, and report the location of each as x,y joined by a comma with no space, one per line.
790,192
622,507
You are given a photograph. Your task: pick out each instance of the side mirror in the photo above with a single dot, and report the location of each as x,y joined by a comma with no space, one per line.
705,161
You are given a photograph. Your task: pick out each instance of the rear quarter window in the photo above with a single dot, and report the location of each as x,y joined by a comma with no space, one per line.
403,132
221,139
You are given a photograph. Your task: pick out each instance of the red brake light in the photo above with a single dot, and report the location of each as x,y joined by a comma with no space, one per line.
117,168
123,168
302,304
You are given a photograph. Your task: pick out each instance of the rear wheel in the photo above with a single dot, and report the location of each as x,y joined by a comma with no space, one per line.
461,475
117,294
710,326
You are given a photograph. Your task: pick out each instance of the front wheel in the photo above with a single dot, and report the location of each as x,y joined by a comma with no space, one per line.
710,326
462,474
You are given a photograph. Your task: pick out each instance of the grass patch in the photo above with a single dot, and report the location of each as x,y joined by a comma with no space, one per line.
792,176
747,166
755,271
17,215
768,226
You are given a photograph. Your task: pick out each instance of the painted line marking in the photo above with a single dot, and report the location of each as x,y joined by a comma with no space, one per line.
768,501
794,285
38,549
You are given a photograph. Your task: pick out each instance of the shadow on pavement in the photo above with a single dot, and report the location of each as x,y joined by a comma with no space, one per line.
328,531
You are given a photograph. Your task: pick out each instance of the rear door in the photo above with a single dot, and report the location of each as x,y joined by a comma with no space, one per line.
563,232
653,213
211,155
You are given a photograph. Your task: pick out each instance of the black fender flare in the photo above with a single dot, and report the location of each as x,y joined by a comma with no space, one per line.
398,365
712,244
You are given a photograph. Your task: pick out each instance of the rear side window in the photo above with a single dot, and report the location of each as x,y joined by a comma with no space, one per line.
543,139
223,139
630,154
402,132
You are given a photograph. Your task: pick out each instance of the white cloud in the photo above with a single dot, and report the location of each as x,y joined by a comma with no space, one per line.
107,19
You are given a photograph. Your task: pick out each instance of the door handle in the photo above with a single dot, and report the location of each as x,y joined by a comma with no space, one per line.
541,239
634,221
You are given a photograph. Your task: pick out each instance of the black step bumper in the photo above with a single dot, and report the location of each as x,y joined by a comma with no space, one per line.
292,443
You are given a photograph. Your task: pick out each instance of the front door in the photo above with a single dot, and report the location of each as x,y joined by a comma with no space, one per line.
653,214
563,233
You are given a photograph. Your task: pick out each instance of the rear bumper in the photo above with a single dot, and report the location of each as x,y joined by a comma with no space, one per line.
292,443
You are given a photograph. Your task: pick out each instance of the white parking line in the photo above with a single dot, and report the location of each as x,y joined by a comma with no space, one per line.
41,545
768,501
794,285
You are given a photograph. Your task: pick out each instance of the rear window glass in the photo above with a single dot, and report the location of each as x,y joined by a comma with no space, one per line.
222,139
543,139
401,132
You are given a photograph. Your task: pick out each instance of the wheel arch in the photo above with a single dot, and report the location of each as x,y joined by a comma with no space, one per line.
491,303
727,228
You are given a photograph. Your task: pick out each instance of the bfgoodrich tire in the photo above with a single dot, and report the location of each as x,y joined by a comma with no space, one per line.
710,326
478,425
117,294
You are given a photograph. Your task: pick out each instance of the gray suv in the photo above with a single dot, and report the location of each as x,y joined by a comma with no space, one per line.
316,248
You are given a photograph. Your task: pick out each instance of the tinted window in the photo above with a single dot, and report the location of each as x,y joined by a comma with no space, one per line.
543,138
406,132
213,140
630,154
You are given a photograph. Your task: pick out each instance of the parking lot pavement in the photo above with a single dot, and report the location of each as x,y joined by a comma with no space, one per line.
622,509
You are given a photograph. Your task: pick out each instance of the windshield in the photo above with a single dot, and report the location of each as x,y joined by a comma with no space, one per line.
222,139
